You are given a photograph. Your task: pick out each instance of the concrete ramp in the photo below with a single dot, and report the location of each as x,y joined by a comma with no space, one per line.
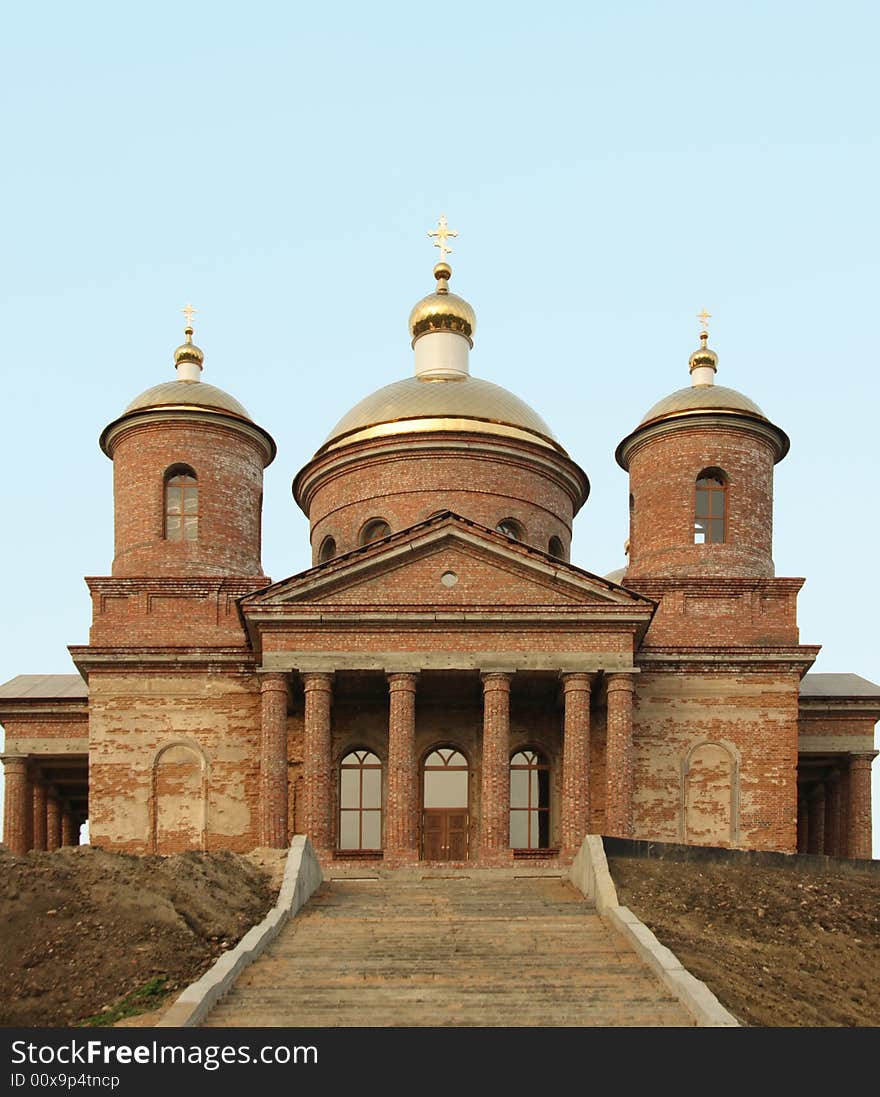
405,951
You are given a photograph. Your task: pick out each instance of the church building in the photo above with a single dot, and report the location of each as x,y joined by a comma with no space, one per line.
443,684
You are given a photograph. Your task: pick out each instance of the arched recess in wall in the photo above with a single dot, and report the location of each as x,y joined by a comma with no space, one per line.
710,795
179,798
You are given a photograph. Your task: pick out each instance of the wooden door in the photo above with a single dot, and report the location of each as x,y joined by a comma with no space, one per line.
445,834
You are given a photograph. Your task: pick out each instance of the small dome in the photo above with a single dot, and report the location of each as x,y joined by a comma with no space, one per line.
702,398
442,310
194,394
450,404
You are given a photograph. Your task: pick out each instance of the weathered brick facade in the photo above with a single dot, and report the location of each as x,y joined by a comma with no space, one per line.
667,703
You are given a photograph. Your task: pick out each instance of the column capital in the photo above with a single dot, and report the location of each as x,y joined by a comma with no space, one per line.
401,680
862,761
496,679
620,680
317,679
274,680
14,762
576,680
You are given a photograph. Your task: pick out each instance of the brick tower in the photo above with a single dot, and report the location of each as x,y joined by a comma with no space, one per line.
173,694
700,469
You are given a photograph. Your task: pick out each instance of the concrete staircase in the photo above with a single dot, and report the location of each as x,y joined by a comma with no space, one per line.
491,950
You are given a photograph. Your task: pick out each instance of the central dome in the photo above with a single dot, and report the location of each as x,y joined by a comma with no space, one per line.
463,404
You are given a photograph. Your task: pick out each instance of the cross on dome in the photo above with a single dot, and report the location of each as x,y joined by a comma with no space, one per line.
443,232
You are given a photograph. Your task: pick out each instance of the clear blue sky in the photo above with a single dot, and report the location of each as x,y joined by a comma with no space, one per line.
611,170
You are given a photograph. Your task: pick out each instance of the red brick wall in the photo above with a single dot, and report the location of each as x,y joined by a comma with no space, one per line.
483,485
229,469
663,473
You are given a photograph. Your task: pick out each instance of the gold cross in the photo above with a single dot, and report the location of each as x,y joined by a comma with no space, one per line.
703,317
188,311
443,232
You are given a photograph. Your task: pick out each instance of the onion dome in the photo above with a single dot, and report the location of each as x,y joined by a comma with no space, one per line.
701,399
186,396
442,310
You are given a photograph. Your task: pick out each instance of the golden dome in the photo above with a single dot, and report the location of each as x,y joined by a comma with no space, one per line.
467,404
187,394
702,398
442,310
188,351
703,357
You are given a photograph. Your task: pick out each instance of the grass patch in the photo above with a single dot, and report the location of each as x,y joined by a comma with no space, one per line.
150,996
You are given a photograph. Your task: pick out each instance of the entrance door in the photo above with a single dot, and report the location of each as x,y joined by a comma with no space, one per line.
445,806
445,834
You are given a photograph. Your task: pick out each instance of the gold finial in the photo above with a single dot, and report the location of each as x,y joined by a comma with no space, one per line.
704,317
188,311
443,232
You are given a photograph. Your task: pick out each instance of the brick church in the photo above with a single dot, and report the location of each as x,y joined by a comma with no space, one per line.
444,683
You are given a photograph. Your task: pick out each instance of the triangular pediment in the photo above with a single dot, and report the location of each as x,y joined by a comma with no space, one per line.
447,563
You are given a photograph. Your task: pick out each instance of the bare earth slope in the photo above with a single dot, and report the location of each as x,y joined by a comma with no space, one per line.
80,928
779,946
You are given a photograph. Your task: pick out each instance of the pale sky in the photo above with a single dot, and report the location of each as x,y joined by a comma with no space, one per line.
611,170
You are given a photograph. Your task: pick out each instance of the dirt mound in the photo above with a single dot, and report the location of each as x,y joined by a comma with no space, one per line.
83,929
779,946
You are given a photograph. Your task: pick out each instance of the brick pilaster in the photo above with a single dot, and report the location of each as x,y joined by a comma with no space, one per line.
816,826
860,806
15,804
273,760
39,804
317,760
401,815
53,819
495,800
619,756
575,761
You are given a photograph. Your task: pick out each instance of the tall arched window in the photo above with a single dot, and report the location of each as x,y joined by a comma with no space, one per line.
327,550
360,801
529,800
181,504
374,530
710,509
557,548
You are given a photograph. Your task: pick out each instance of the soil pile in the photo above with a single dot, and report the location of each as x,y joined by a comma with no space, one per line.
83,929
777,945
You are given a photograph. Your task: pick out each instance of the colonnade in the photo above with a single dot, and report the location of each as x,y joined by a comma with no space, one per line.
403,800
834,812
36,815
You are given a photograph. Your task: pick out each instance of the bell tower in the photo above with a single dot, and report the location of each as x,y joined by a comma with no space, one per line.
700,468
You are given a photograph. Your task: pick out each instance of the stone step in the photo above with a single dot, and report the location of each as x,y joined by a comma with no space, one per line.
493,951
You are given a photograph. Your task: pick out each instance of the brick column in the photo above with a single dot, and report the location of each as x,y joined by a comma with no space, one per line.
495,801
832,815
575,761
317,761
860,806
273,760
15,804
53,819
401,822
843,833
618,756
67,837
816,832
39,802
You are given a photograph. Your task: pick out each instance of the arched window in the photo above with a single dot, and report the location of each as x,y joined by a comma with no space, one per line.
360,801
557,548
181,504
374,530
511,528
710,510
529,801
327,550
